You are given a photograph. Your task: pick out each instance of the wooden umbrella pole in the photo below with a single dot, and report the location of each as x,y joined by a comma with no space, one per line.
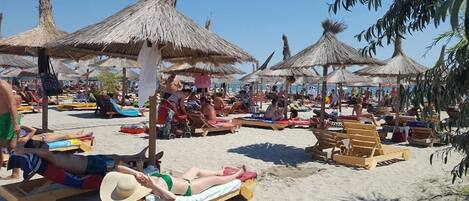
323,95
398,103
379,93
124,85
285,100
43,62
152,133
340,97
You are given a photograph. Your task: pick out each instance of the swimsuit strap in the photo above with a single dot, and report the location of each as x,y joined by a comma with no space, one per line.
166,178
189,189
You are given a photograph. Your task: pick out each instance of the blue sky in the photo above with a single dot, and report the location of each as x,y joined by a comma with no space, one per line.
254,25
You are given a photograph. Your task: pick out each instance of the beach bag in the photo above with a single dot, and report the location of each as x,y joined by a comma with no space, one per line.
50,83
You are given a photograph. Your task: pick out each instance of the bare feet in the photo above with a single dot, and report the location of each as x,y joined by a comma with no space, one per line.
11,177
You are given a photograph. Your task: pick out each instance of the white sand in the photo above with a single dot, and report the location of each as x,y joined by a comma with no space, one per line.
269,152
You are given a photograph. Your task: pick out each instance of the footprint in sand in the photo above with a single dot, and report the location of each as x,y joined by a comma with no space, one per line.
291,172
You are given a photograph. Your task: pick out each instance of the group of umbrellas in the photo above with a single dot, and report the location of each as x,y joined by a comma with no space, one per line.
157,24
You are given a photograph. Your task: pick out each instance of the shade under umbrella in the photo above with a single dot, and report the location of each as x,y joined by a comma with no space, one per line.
328,51
209,68
155,21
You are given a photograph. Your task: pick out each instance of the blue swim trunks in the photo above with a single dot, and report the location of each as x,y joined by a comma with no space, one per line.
98,164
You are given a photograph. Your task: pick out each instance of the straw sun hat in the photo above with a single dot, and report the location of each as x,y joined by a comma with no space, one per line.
121,187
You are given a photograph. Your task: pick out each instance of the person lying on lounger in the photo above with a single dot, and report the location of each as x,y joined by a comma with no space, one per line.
28,133
85,165
193,181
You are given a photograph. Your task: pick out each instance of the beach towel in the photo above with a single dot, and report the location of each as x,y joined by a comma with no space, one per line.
124,112
30,163
149,58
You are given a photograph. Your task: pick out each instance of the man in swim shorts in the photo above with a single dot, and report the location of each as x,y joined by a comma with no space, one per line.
9,121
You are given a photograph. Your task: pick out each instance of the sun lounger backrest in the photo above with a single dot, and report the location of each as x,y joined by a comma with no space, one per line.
325,139
421,133
357,125
364,141
198,120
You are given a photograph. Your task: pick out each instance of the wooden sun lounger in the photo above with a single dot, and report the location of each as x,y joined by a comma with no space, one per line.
365,148
246,191
203,127
38,189
422,137
326,140
77,106
260,123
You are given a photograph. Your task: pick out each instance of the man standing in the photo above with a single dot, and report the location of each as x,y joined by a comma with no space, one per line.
9,121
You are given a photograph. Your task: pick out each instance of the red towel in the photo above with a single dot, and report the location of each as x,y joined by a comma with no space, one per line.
246,176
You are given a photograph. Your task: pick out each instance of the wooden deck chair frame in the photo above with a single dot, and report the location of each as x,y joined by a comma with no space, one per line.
203,127
365,148
262,124
37,189
422,137
325,140
246,191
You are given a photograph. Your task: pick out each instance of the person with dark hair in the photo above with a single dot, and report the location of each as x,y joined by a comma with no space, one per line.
177,100
170,86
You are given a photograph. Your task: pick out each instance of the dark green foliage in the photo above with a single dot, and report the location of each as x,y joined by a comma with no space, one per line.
445,85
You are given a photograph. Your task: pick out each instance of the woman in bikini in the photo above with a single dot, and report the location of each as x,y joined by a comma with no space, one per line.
193,181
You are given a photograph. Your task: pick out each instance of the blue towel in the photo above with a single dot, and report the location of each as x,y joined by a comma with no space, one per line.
59,144
124,112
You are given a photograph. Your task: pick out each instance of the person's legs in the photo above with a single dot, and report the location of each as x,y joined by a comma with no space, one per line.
203,183
15,173
52,137
72,163
194,173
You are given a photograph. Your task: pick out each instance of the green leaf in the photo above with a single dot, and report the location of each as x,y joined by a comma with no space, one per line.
466,21
455,14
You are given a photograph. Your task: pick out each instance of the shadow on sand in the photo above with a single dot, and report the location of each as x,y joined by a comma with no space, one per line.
373,197
279,154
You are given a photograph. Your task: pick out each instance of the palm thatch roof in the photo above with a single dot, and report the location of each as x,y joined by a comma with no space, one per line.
117,62
44,32
155,21
61,68
398,64
308,80
342,76
130,75
209,68
328,51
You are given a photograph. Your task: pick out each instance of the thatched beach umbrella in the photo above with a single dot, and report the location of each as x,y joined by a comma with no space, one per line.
155,21
19,73
399,64
32,42
208,68
123,63
13,60
341,76
160,27
327,52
